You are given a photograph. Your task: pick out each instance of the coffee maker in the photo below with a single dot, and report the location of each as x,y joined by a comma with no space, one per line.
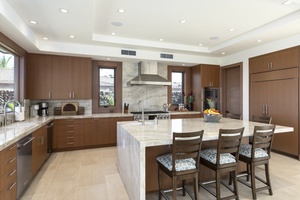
43,110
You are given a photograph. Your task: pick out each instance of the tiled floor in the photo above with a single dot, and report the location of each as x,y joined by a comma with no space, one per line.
92,174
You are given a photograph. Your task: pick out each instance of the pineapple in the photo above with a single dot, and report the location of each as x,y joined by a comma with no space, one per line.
211,103
211,109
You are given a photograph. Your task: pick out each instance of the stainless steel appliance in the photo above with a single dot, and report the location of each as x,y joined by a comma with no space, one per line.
151,115
210,93
49,138
24,166
43,109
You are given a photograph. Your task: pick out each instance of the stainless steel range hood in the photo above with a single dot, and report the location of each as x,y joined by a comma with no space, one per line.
148,75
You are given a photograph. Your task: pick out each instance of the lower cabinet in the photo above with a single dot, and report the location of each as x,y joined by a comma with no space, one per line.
184,116
67,133
8,173
39,148
87,132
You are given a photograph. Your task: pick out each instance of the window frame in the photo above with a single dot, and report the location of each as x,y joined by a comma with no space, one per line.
187,83
183,85
100,67
117,108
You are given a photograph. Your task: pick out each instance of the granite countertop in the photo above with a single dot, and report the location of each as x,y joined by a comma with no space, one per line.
160,134
12,133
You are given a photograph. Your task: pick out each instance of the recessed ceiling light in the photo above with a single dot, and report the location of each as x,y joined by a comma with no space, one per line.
223,53
72,36
231,29
258,41
286,2
183,64
33,22
121,10
45,38
107,58
113,33
161,39
214,38
63,10
182,21
200,45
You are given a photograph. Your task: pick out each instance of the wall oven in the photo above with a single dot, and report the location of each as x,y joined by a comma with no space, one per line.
211,93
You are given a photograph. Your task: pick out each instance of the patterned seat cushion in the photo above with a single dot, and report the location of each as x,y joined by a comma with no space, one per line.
211,156
245,150
180,164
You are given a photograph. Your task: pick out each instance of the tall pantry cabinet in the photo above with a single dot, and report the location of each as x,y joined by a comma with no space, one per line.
274,92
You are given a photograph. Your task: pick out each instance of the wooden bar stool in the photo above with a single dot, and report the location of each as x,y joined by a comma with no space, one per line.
182,163
234,116
224,159
258,153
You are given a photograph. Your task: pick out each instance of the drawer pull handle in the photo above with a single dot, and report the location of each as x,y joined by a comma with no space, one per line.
13,185
70,137
12,147
12,160
70,125
70,143
12,173
70,131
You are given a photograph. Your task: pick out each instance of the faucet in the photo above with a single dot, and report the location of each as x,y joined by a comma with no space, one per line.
5,112
143,114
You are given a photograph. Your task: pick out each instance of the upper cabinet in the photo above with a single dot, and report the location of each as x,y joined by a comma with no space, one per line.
210,75
58,77
286,58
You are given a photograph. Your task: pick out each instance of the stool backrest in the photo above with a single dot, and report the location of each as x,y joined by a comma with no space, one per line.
187,145
229,142
234,116
263,138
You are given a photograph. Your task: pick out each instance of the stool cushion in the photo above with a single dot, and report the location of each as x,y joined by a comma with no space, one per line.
245,150
180,164
211,156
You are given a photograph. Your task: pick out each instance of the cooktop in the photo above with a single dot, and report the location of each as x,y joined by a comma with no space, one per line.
149,112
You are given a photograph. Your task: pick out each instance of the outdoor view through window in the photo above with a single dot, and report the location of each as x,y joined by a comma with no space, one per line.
107,87
6,77
177,87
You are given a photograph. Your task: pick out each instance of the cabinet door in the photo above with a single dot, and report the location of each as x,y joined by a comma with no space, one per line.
81,78
61,77
38,77
259,64
258,98
104,125
285,59
39,148
210,76
90,132
283,108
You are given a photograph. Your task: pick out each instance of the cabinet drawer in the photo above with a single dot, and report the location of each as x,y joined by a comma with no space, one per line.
69,141
68,121
68,133
8,159
68,127
9,192
8,179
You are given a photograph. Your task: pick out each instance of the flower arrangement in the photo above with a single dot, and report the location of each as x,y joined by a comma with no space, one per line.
190,97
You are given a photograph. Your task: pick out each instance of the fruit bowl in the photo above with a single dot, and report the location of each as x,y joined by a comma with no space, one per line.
212,117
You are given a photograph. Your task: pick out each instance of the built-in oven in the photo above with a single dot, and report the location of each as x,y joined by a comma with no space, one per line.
211,93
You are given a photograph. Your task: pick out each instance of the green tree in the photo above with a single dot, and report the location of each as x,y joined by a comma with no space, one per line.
4,62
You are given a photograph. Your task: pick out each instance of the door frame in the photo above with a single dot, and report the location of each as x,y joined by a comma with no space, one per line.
223,86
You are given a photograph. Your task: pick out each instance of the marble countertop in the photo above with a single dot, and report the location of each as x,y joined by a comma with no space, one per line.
12,133
161,134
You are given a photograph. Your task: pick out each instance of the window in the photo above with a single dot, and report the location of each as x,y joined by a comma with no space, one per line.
7,79
177,87
107,87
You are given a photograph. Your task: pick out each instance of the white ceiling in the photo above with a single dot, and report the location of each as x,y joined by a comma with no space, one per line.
144,23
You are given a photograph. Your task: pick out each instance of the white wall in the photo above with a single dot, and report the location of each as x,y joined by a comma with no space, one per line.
244,58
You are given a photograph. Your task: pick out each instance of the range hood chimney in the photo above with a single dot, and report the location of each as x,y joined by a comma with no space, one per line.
148,75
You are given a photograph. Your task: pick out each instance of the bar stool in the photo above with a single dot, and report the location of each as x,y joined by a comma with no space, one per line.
234,116
224,159
182,163
258,153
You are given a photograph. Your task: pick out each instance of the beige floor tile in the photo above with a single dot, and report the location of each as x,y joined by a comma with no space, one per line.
91,157
110,165
64,190
109,152
66,172
91,175
116,189
93,192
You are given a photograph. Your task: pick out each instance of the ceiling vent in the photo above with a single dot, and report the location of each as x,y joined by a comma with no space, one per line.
168,56
128,52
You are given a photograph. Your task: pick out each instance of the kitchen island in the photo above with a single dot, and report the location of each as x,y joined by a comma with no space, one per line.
133,140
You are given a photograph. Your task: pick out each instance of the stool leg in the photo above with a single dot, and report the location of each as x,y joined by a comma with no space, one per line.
268,178
183,187
174,187
248,171
235,188
253,185
159,186
196,187
218,179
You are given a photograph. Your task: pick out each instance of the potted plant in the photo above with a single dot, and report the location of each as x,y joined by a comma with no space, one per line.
190,99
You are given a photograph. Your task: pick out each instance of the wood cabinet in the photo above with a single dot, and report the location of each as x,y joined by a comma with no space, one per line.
184,116
275,94
39,149
283,59
8,172
58,77
67,133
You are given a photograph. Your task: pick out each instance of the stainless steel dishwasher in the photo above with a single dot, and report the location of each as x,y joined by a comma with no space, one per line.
24,166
